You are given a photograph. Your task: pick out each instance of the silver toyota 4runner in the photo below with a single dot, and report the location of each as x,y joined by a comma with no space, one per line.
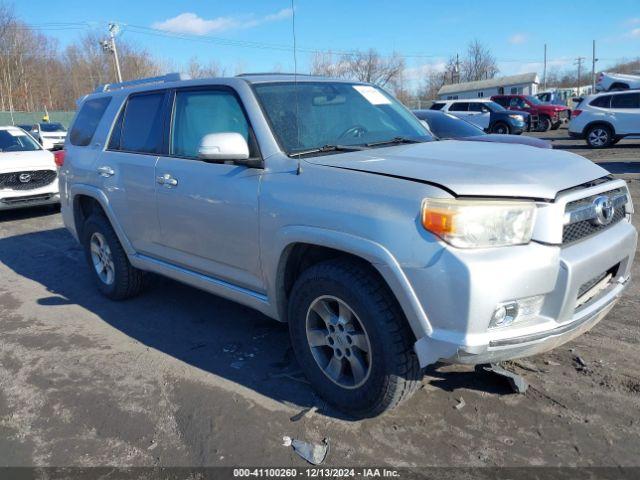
326,204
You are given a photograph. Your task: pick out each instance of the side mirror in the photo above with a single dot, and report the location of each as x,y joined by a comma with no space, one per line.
218,147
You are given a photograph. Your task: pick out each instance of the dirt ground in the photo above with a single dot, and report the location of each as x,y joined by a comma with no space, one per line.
181,377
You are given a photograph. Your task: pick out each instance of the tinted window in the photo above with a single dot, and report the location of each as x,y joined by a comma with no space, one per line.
478,107
501,101
198,113
602,102
437,106
87,121
142,124
459,107
53,127
444,125
627,100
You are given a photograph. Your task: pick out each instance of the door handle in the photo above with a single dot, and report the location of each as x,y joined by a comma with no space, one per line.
167,180
106,171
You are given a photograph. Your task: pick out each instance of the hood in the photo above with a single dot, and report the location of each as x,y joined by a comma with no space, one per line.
23,161
513,139
474,168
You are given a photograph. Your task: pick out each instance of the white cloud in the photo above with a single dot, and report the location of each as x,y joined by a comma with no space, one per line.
635,33
192,24
517,39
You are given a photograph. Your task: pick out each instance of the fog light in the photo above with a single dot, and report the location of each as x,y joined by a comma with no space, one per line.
516,311
504,315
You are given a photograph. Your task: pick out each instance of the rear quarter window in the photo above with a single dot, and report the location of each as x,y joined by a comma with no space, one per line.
87,120
602,102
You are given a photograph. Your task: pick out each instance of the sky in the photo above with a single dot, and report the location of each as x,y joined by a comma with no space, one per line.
256,35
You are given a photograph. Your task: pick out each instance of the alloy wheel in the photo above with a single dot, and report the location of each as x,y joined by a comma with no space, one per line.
102,258
338,341
598,137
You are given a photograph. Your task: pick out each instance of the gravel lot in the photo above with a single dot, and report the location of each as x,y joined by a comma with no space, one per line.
180,377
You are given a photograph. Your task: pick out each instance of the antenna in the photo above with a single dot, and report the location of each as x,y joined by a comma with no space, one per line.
295,79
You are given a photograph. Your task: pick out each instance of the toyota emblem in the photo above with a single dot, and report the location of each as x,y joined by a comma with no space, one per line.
604,210
24,177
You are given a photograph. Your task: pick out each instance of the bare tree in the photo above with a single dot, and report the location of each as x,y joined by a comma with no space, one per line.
367,66
479,63
211,70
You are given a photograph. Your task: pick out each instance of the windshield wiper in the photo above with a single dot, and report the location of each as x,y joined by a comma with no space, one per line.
394,141
328,149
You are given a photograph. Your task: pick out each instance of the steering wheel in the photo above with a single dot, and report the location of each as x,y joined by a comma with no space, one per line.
355,131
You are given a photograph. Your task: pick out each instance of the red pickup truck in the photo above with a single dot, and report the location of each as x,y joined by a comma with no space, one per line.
548,116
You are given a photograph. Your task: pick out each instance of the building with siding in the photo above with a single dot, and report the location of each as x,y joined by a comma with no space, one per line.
523,84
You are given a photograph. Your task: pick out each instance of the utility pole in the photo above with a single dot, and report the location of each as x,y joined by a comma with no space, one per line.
578,62
544,70
457,68
593,68
109,46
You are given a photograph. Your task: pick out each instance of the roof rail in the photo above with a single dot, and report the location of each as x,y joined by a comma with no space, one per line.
169,77
275,73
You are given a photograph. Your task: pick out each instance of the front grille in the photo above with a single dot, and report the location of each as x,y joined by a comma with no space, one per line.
27,180
587,286
573,232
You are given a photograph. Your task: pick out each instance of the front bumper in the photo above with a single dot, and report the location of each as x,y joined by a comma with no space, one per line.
472,283
13,199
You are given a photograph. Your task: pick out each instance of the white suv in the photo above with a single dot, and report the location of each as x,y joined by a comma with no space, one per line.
604,119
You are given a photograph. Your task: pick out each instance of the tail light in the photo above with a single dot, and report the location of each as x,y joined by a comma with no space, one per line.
58,157
575,113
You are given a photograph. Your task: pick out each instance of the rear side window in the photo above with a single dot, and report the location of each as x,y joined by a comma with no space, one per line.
626,100
459,107
437,106
501,101
139,126
602,102
87,121
478,107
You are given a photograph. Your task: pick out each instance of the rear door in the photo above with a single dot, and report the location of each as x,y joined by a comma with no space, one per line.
625,109
209,211
127,167
460,109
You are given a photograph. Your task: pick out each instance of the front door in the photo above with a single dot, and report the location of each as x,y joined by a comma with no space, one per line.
625,108
208,211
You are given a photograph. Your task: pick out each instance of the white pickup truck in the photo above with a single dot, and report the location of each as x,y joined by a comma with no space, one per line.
616,81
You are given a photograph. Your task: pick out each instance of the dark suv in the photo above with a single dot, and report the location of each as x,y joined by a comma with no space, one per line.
549,117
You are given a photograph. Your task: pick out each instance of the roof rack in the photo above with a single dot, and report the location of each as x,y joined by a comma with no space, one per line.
169,77
274,73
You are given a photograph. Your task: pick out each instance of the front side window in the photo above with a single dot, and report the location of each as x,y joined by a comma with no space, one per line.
15,140
139,128
310,115
626,100
601,102
200,112
87,121
478,107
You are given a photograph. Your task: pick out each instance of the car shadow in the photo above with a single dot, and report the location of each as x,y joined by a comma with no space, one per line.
208,332
26,213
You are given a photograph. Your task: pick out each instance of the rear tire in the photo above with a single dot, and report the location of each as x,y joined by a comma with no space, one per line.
501,128
556,126
110,268
599,136
358,351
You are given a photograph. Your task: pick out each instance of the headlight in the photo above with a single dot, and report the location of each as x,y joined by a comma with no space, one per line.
519,118
479,223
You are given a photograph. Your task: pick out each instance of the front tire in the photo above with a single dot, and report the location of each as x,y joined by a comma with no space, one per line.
351,339
599,136
114,276
501,128
544,124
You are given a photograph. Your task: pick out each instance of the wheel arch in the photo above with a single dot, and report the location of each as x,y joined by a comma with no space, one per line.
595,123
302,247
86,200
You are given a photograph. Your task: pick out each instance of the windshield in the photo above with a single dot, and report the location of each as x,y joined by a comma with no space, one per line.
444,126
312,115
52,127
495,107
15,140
533,100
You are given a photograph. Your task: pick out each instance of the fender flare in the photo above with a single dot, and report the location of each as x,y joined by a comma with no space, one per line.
376,254
99,196
598,122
